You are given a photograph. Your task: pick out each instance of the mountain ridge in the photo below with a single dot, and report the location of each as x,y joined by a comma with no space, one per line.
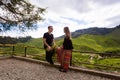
92,31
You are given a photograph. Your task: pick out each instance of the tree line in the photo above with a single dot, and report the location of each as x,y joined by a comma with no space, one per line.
11,40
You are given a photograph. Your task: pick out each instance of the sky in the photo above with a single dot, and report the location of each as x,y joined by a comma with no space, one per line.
76,14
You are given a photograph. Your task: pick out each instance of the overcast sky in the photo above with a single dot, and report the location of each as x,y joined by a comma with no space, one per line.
76,14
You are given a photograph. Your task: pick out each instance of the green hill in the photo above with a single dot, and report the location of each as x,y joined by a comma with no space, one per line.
87,42
36,42
99,43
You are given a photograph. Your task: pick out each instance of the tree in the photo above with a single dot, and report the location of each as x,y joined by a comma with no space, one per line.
15,12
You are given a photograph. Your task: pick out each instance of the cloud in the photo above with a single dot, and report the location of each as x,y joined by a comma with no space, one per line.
114,20
62,5
76,14
75,20
106,2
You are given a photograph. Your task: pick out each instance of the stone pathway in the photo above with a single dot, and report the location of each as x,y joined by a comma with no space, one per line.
12,69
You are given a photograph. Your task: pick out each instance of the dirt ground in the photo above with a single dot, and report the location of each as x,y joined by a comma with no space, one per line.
12,69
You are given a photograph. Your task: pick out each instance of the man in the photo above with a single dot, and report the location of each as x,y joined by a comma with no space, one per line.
48,40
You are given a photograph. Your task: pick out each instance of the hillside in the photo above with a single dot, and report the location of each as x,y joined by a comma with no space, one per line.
94,31
99,43
37,42
109,42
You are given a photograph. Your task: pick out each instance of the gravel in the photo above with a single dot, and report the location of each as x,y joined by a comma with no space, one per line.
12,69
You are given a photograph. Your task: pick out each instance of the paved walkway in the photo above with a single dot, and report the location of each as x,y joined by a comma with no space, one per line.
12,69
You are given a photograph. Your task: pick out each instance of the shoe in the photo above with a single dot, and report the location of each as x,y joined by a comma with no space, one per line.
62,70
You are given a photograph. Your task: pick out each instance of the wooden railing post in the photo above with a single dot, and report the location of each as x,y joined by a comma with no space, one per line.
25,51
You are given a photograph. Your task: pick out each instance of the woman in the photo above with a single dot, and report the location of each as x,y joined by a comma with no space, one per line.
65,52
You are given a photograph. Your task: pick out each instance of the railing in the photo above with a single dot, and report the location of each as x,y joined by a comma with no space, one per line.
7,45
103,55
13,46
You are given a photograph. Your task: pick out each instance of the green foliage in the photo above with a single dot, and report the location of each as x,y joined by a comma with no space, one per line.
109,62
38,42
23,15
5,50
86,43
19,49
11,40
81,58
90,61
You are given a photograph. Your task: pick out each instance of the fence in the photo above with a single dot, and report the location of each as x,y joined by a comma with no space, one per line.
99,55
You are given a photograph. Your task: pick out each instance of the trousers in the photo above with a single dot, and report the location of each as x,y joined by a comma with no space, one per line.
49,55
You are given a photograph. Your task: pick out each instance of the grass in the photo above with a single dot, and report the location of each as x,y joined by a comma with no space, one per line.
79,58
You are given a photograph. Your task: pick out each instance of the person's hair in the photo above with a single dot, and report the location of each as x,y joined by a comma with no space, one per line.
67,32
49,27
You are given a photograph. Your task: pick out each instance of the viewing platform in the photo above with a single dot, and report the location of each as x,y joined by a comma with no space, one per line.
20,68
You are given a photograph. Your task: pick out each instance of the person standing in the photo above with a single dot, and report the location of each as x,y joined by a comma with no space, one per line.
66,51
48,40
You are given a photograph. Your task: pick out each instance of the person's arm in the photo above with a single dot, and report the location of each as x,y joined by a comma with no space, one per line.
54,42
44,41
